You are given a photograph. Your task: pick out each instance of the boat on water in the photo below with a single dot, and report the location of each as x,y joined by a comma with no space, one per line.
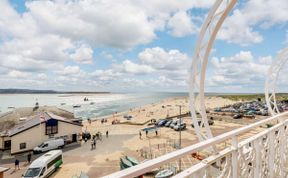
164,173
132,160
76,106
92,103
124,163
63,104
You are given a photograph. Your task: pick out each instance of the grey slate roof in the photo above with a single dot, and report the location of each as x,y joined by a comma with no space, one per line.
35,120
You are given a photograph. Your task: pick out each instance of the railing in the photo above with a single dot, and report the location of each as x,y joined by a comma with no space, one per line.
265,154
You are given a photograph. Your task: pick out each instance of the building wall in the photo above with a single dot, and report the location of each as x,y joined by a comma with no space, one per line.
35,136
1,143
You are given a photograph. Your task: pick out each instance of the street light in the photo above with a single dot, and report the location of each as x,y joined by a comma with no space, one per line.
180,106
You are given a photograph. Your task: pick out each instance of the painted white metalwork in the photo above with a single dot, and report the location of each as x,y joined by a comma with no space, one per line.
271,81
205,41
262,155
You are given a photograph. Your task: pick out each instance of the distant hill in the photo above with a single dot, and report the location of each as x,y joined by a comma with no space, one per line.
29,91
24,91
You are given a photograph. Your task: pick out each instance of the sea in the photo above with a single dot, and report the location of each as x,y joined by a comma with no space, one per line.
98,105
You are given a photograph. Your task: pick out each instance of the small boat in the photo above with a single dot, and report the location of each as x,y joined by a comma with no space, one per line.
11,107
63,104
76,106
92,103
132,160
124,163
164,173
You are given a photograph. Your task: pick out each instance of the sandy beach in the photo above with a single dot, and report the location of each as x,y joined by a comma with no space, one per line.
124,138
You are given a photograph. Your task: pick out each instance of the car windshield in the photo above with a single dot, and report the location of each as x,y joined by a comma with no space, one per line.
32,172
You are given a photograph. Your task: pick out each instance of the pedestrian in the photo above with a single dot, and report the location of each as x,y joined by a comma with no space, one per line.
17,162
140,135
94,143
146,133
107,134
29,157
156,132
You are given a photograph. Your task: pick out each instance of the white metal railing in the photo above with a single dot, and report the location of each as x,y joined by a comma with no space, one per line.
262,155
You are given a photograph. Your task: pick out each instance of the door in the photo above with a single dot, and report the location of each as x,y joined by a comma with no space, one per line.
7,144
74,137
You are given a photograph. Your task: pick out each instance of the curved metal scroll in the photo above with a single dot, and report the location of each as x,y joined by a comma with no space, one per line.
207,36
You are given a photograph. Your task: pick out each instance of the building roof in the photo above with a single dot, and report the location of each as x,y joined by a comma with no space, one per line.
3,169
36,120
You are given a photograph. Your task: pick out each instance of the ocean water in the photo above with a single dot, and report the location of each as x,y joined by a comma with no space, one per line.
97,106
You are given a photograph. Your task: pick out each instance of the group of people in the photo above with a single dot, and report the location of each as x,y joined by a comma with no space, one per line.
17,161
94,140
146,132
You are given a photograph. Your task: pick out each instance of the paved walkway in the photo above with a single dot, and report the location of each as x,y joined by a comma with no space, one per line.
73,154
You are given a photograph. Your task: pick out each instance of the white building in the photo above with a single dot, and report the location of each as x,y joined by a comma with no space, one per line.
42,127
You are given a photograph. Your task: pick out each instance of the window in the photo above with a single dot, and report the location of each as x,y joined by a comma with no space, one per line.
51,127
59,158
42,172
22,146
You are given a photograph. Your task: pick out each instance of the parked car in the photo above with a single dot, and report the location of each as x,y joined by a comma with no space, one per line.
237,116
157,122
174,122
210,122
168,123
162,123
179,126
49,145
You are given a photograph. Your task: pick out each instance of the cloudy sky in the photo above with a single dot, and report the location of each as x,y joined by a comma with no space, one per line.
135,45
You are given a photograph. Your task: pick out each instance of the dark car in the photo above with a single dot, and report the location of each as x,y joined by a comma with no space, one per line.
162,123
237,116
86,136
210,122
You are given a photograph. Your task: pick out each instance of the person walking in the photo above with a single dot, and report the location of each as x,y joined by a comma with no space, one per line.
17,162
94,143
156,132
29,157
146,133
140,135
107,134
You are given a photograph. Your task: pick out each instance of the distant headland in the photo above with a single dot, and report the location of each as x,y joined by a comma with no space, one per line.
30,91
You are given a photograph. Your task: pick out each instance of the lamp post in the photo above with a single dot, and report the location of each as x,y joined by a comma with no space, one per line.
180,106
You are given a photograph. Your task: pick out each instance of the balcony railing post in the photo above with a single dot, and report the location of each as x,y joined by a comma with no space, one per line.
271,155
235,157
257,159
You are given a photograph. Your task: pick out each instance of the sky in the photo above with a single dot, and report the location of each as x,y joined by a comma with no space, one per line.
137,45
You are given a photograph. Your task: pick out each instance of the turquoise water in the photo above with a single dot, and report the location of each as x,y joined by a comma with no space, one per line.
103,104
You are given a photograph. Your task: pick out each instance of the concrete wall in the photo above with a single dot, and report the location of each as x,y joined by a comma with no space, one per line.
1,143
35,136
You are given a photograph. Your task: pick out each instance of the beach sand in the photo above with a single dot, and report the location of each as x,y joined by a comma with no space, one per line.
152,144
124,138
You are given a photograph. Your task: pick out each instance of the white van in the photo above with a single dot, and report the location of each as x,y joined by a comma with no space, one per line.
45,165
49,145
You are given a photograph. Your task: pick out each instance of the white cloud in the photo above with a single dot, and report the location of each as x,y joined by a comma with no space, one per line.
129,67
240,71
158,58
236,29
181,24
70,70
18,74
83,54
239,27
